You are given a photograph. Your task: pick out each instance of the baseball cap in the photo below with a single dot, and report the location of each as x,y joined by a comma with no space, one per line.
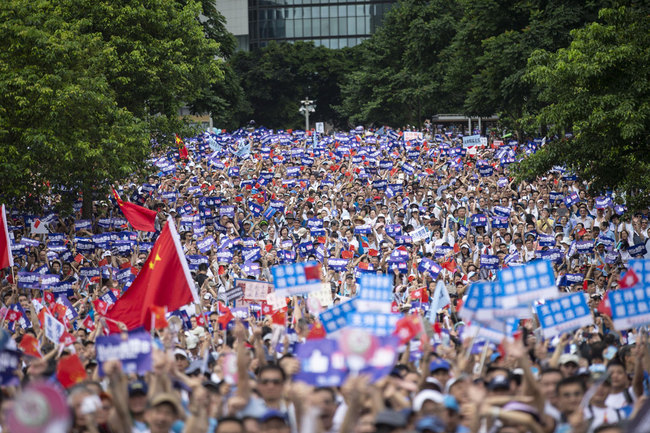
181,352
274,414
439,364
450,403
499,382
426,395
138,387
569,357
166,398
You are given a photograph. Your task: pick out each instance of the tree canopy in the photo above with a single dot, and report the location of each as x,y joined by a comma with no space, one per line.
84,85
598,89
277,77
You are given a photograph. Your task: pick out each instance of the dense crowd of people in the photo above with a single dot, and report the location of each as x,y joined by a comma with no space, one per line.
424,208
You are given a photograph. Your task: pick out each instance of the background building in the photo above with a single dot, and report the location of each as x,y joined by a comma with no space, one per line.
334,24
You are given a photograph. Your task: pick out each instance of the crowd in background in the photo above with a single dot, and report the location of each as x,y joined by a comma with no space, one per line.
362,202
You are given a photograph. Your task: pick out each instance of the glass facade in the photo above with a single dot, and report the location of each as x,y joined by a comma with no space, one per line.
332,24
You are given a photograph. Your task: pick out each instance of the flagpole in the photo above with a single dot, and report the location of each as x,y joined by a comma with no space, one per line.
483,356
204,318
469,348
2,324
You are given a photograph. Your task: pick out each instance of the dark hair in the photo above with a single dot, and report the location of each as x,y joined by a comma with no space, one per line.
203,267
229,419
326,389
272,367
571,380
549,370
616,361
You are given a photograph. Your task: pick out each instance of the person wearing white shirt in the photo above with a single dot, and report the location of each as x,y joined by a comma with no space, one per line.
597,411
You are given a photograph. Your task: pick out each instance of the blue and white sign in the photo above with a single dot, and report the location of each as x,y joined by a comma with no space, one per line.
135,352
380,324
524,284
563,314
336,317
296,278
630,307
376,293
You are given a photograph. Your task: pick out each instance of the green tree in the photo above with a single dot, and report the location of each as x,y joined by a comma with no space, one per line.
85,84
501,51
399,78
275,78
598,88
224,99
161,55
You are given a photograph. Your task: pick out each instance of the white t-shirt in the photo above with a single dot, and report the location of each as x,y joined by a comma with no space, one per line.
618,400
600,416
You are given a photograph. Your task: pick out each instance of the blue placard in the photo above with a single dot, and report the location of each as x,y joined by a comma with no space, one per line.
563,314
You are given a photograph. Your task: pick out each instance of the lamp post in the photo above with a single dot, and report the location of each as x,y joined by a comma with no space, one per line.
306,107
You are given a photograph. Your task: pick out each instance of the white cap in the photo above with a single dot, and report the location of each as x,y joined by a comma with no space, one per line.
425,395
179,351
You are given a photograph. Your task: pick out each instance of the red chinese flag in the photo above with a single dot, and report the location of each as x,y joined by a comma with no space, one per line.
59,311
102,262
29,346
70,371
159,320
312,272
6,258
164,280
316,332
373,252
450,265
456,248
78,258
139,217
347,254
279,318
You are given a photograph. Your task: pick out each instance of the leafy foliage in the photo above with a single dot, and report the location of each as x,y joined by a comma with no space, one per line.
598,88
84,85
398,78
276,77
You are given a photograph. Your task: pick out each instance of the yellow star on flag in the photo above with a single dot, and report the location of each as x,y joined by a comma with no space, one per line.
157,258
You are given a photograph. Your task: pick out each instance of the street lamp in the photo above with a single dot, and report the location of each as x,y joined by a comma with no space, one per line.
306,107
